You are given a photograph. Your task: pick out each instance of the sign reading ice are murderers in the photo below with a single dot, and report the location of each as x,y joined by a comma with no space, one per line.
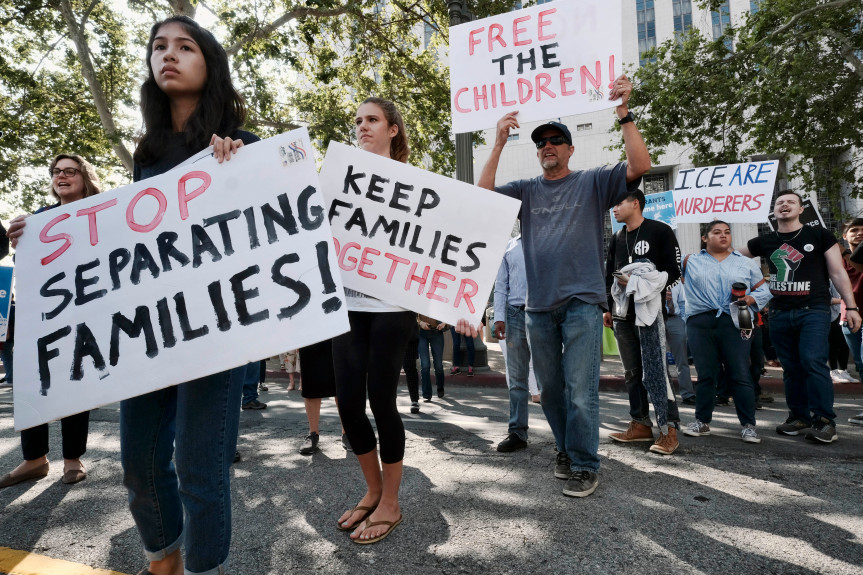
201,269
735,193
555,59
413,238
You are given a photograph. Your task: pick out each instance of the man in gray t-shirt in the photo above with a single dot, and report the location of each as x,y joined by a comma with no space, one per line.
562,216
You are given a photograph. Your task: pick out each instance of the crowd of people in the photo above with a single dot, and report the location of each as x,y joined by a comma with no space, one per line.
552,299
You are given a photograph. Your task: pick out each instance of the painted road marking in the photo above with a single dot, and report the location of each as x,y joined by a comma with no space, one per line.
16,562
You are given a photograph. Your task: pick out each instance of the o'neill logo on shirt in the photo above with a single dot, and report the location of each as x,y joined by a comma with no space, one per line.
787,260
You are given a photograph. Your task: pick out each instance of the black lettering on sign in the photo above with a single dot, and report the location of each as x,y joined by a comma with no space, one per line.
304,294
117,260
241,296
183,315
47,291
166,241
285,219
334,303
202,243
166,324
85,345
222,220
222,320
81,283
45,355
143,260
311,217
133,329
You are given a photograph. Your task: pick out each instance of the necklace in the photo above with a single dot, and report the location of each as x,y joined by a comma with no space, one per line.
628,251
792,238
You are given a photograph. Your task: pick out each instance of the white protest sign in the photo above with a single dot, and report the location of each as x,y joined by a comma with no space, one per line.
201,269
552,60
734,193
413,238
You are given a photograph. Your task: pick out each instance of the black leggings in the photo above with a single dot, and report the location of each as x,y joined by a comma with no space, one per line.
838,347
369,357
34,441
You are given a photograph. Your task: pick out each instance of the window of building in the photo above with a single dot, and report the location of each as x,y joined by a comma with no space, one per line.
682,16
428,33
655,183
512,137
754,5
721,22
583,127
646,28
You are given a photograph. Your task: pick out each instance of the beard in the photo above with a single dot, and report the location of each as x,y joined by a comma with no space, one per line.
549,163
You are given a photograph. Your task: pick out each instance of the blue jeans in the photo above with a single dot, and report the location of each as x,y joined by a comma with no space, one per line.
800,339
715,343
250,382
854,341
517,371
177,446
433,338
456,348
675,332
566,344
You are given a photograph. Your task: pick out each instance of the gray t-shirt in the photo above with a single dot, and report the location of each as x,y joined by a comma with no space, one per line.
562,233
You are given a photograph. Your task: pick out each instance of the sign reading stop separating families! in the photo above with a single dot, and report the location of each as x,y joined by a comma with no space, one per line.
733,193
555,59
413,238
198,270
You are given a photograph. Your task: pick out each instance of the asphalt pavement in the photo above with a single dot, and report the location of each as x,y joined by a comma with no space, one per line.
716,506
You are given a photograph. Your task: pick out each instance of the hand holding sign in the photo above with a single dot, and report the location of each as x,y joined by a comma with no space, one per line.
504,125
621,88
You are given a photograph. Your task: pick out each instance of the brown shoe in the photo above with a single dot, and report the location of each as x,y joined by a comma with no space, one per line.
74,476
666,444
635,432
37,473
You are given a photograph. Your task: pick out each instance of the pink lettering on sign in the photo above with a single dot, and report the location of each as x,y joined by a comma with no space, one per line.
157,219
91,218
46,239
522,32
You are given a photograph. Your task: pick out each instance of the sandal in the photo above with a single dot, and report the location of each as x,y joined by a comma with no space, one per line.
368,511
392,525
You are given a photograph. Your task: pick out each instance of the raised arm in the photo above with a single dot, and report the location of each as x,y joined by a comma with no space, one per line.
637,156
504,125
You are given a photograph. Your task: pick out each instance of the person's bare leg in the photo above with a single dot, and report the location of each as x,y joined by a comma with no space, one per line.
388,507
29,465
313,413
170,565
371,468
291,379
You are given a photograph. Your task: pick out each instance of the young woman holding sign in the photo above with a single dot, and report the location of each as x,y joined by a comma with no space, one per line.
178,443
72,179
369,359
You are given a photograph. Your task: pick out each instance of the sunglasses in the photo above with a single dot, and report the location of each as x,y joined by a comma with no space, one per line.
555,141
68,172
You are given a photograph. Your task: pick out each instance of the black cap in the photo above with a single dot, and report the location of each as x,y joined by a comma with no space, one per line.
537,133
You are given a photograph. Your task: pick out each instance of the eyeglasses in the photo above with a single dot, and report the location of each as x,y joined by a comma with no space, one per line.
555,141
68,172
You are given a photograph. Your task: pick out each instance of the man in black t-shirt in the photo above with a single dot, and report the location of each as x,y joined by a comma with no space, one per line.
802,260
642,347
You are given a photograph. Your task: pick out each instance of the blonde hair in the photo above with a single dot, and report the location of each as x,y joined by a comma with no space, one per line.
88,173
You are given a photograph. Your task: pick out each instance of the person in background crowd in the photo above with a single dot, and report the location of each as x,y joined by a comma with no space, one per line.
675,331
250,387
6,346
838,359
802,260
72,179
410,368
714,337
563,261
853,234
456,353
289,362
510,293
320,382
641,336
431,336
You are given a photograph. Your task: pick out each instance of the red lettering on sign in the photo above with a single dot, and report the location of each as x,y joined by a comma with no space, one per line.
184,197
46,239
157,219
91,218
542,23
365,261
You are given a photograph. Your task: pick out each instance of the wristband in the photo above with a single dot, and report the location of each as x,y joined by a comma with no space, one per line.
852,309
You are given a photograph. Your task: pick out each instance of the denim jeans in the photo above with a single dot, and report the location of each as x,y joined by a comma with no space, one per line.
177,446
456,348
645,373
517,370
566,344
800,339
855,343
433,338
715,343
250,382
675,331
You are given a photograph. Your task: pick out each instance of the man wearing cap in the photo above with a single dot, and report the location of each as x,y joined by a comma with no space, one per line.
562,237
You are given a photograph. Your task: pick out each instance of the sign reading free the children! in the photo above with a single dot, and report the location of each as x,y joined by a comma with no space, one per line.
201,269
552,60
413,238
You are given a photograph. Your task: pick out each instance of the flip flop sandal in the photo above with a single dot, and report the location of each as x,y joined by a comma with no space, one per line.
368,511
392,525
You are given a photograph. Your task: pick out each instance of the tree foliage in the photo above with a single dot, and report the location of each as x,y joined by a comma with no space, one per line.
788,82
70,71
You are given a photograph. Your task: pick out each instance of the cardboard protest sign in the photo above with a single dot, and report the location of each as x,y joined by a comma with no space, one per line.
412,238
658,206
552,60
198,270
733,193
5,300
810,216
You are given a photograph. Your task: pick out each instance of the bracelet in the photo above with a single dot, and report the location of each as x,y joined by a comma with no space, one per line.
852,309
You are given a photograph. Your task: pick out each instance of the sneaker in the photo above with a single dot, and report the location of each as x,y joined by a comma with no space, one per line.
470,372
346,443
581,484
835,376
254,404
857,419
765,398
721,401
667,443
311,444
847,377
426,400
415,407
440,392
758,405
688,401
635,432
792,426
696,429
237,456
512,443
561,466
263,387
823,431
454,371
748,434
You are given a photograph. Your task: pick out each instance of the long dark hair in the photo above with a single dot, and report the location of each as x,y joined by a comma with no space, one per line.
399,149
88,174
220,109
